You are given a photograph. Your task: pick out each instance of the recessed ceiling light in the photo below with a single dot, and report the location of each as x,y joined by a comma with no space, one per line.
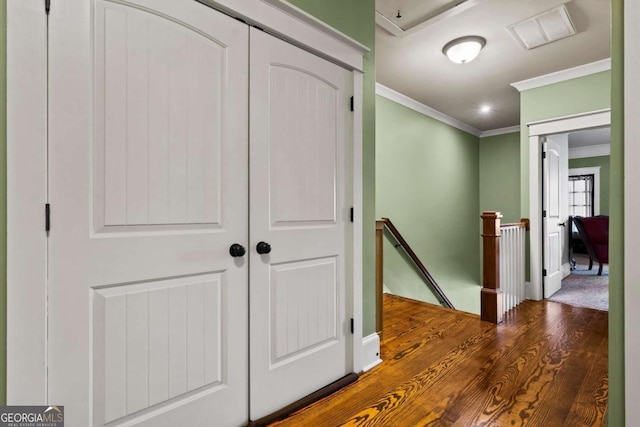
485,109
464,49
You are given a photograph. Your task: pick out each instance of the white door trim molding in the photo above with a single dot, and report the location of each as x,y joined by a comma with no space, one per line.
27,174
595,171
26,198
354,294
590,120
631,208
537,130
290,23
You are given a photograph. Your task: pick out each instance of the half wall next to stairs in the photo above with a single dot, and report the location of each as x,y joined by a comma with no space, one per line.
427,183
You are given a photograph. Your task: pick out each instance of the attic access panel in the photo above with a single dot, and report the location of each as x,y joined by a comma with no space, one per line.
413,12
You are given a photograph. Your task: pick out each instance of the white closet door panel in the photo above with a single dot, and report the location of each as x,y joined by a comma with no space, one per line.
137,352
177,341
115,119
157,341
213,324
303,148
158,346
158,124
195,337
300,200
303,297
115,357
137,109
159,97
148,188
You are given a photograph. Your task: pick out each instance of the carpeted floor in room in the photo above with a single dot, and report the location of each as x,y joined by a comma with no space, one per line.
583,287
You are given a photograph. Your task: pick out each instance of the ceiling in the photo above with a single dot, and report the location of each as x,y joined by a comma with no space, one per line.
413,64
590,137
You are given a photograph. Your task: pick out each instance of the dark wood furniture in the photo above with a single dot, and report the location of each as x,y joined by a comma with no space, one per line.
594,232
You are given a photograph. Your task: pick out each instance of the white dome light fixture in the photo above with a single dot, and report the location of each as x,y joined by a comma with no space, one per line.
464,49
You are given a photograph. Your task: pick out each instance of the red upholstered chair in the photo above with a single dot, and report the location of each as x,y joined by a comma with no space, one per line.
594,232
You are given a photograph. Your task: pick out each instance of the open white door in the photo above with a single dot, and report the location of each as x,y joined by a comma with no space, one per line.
300,201
148,191
552,217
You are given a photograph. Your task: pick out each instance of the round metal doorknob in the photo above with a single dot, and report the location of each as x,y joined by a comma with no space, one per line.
263,248
237,250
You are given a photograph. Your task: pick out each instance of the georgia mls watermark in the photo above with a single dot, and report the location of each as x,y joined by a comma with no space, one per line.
31,416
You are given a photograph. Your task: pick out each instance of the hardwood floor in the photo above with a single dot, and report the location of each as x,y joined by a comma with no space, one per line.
545,366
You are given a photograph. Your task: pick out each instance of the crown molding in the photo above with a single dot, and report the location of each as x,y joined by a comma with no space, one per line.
411,103
590,151
292,24
316,23
501,131
564,75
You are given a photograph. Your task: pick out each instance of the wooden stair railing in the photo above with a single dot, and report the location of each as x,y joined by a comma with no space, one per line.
491,297
381,224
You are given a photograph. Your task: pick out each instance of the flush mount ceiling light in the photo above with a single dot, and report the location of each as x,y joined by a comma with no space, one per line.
464,49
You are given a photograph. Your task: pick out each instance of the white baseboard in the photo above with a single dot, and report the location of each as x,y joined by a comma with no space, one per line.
370,352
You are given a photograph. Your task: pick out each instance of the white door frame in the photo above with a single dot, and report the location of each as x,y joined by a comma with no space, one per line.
631,209
537,130
26,198
27,173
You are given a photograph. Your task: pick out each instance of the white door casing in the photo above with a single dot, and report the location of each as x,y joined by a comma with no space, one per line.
552,217
147,309
631,213
26,198
537,130
300,175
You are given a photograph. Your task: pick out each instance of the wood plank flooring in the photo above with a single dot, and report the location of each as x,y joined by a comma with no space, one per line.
546,365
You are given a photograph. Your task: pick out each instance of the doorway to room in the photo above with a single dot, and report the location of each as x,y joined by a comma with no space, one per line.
576,232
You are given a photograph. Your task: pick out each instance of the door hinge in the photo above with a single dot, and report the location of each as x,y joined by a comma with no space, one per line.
352,325
352,104
544,154
47,217
544,272
351,214
544,214
47,6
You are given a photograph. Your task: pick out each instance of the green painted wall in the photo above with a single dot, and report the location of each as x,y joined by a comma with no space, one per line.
581,95
603,162
356,18
427,184
500,175
3,202
616,228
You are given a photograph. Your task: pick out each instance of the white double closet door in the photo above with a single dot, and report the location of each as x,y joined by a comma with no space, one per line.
176,132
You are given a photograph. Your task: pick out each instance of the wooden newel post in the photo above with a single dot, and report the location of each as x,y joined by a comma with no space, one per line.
491,308
379,275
